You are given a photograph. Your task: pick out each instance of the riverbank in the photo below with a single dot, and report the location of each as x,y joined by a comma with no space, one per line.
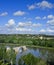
40,47
3,44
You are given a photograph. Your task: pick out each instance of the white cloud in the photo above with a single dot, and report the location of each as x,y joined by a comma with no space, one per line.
37,24
29,24
10,23
50,16
44,17
50,30
19,13
21,24
31,7
23,29
44,4
51,22
42,30
52,27
10,27
4,14
37,18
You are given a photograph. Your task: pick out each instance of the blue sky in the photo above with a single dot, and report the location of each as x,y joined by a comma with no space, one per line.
27,17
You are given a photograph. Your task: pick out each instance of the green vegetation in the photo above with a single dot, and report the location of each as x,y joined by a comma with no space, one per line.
7,58
30,59
36,40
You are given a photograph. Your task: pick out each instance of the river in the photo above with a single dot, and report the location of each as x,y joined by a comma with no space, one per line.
46,54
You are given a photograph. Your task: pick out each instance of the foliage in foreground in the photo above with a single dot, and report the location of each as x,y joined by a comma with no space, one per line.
7,58
30,59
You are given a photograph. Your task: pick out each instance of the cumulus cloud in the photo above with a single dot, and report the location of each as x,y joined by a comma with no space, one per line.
51,22
45,17
43,4
31,7
37,18
42,30
48,30
28,27
10,23
19,13
50,16
4,14
37,25
29,24
23,29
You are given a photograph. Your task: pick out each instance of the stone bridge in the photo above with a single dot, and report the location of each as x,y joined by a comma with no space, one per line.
17,49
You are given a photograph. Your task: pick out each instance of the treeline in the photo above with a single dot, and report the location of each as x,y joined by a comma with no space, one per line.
46,41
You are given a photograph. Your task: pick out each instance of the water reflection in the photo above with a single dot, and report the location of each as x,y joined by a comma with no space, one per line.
47,55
